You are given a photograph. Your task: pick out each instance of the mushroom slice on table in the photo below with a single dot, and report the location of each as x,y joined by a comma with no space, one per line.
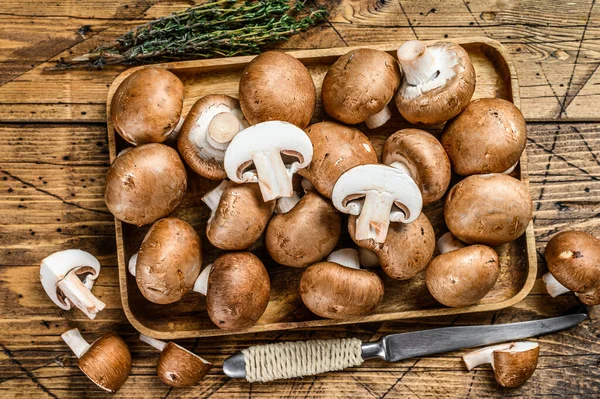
146,107
107,361
407,249
209,127
304,231
513,363
68,277
573,259
168,262
336,148
275,86
359,85
145,184
437,84
338,288
178,367
238,215
489,136
491,209
421,156
461,275
269,154
378,195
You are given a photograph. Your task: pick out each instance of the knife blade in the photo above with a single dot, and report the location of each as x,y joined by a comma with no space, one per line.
395,347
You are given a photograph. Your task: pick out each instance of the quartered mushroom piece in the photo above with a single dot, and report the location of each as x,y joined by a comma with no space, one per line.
268,153
209,127
106,361
513,363
378,195
68,277
178,367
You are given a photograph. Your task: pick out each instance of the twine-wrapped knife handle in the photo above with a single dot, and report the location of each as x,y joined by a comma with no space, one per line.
296,359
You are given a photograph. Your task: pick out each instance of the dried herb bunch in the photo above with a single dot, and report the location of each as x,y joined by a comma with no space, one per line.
216,28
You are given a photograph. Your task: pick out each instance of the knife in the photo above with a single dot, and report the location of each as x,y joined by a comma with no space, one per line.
295,359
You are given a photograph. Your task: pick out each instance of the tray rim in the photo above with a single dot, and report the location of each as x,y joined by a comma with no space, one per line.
307,55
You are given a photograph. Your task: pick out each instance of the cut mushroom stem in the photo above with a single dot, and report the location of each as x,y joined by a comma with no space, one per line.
347,257
449,243
79,295
273,177
418,63
368,258
285,204
553,287
222,129
76,342
153,342
213,198
131,266
374,219
201,284
380,118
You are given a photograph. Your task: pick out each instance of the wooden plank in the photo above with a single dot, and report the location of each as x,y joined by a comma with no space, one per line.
556,48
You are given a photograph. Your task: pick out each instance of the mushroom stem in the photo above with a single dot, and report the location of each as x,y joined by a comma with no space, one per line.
449,243
273,177
172,136
368,258
201,284
374,218
401,166
76,342
553,287
222,128
307,185
213,198
418,63
347,257
80,295
379,119
483,355
131,266
155,343
285,204
510,170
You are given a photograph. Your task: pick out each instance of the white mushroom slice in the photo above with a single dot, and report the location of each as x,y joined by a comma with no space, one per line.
265,145
68,277
378,195
347,257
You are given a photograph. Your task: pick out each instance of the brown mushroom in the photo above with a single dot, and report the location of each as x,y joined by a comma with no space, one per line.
146,107
437,84
277,87
513,363
304,231
145,184
209,127
422,156
106,362
488,209
178,367
573,259
336,148
407,248
238,215
169,261
489,136
359,86
461,276
338,288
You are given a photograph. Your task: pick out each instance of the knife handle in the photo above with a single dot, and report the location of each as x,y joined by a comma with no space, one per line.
283,360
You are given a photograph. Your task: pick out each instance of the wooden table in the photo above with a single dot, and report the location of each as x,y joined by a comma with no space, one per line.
54,157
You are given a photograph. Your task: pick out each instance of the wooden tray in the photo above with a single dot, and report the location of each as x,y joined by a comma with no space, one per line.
496,77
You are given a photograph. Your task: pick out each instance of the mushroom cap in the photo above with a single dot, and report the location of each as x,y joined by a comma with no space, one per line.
192,144
464,276
145,184
334,291
305,234
147,105
277,87
514,366
360,84
489,209
336,148
240,219
489,136
107,362
238,290
573,258
425,159
418,104
179,367
169,261
407,249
